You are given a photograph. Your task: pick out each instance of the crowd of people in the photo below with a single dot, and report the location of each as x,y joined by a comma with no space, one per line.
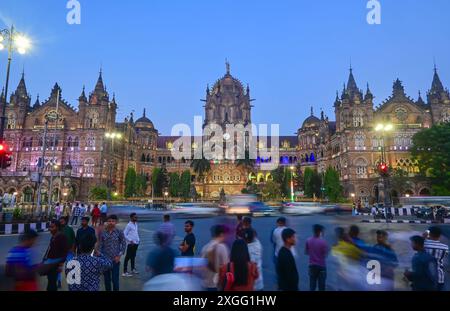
231,261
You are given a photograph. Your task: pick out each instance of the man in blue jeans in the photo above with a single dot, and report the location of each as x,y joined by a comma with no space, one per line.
112,244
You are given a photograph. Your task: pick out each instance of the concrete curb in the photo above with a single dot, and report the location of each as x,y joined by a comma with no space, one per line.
20,228
398,221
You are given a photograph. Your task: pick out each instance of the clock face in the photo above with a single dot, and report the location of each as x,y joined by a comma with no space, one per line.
401,113
52,115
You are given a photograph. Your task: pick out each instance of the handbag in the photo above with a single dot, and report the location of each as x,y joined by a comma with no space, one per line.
228,280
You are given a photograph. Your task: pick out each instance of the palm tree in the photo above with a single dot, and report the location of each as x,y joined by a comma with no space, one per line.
201,167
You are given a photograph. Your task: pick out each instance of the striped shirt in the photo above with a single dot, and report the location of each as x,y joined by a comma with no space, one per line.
440,252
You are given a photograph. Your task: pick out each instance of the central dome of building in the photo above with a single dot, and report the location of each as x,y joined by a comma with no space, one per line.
144,122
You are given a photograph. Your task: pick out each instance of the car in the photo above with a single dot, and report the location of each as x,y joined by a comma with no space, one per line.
302,208
261,209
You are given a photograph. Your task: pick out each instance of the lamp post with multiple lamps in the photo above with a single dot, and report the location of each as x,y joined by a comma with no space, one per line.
11,40
111,136
383,166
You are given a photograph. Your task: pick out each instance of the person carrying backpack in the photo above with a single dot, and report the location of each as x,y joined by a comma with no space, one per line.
216,255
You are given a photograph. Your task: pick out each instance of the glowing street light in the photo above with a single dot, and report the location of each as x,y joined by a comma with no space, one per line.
292,183
11,41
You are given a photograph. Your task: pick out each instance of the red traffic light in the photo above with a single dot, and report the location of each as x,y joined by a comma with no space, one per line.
383,168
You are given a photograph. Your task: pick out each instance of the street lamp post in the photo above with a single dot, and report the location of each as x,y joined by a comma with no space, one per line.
112,136
292,183
384,165
10,40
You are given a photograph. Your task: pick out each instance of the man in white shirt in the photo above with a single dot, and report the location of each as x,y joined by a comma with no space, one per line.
132,237
276,237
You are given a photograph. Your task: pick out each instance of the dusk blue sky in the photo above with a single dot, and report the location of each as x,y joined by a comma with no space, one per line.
161,54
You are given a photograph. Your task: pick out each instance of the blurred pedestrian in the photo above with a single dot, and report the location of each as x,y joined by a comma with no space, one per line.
187,247
240,273
383,252
69,233
286,266
58,210
95,213
216,253
247,224
439,251
84,231
20,265
112,244
76,213
276,237
239,227
131,233
317,249
84,270
255,250
161,260
55,255
168,228
348,256
103,213
354,236
424,274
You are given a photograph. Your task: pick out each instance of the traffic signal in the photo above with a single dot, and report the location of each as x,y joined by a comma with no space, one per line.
5,156
383,169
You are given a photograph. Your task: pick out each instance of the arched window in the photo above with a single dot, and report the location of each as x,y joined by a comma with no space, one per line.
143,158
148,158
358,118
361,168
11,124
359,141
92,120
90,141
445,116
69,142
89,166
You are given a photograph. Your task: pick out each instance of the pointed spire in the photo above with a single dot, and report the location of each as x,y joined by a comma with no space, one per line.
312,111
37,103
398,89
113,98
420,100
248,89
369,94
2,95
227,65
22,88
436,86
83,95
322,114
99,87
351,84
55,91
143,115
207,90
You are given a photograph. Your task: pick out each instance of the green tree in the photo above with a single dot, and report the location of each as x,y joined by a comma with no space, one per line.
141,185
174,184
313,183
271,190
98,193
201,167
332,184
251,188
130,182
431,149
156,179
185,184
299,181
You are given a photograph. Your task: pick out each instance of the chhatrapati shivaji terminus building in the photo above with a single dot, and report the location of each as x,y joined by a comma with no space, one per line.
81,152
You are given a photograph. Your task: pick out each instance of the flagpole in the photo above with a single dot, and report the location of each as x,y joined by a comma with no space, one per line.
50,197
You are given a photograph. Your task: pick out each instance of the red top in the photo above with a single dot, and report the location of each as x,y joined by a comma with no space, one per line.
253,274
96,211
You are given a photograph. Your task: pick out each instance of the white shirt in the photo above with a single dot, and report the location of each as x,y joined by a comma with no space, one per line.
256,252
278,239
131,233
